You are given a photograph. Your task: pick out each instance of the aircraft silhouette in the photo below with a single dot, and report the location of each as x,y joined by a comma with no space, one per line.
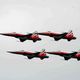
22,37
57,36
66,55
31,55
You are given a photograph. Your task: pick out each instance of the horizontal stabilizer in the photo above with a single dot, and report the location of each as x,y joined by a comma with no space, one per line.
78,59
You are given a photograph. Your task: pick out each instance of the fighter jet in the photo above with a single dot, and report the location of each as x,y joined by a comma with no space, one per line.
57,36
23,37
31,55
67,55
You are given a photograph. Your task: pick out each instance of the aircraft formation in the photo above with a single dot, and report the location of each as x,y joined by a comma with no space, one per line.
43,54
35,36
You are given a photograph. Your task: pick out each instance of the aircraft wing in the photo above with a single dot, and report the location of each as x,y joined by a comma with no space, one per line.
69,56
66,55
59,36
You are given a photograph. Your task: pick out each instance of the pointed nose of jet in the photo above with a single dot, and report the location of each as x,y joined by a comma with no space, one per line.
3,34
11,52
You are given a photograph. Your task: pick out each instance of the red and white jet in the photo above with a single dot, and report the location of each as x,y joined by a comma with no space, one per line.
31,55
22,37
57,36
67,55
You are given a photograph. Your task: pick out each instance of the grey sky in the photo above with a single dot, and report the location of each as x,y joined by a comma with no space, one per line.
25,16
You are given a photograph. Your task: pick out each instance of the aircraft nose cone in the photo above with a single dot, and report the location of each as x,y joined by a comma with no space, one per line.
3,34
11,52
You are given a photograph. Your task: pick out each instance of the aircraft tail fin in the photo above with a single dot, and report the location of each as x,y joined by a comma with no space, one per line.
70,31
35,32
43,50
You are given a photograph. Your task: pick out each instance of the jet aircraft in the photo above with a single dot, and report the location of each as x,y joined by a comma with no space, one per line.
67,55
57,36
31,55
23,37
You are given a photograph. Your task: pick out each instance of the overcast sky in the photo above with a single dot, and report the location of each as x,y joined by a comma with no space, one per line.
24,16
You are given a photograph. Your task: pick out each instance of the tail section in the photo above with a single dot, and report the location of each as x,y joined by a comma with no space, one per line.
44,57
43,50
70,36
70,31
